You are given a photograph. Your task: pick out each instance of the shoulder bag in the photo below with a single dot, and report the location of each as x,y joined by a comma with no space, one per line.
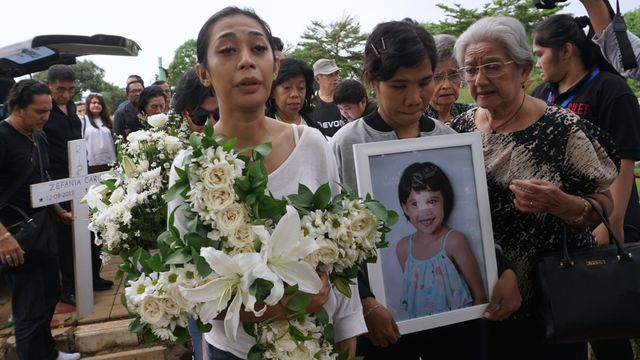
590,293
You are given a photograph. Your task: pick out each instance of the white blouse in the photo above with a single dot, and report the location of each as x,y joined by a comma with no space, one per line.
101,149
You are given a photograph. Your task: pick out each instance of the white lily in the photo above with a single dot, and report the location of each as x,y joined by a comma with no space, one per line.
285,249
236,275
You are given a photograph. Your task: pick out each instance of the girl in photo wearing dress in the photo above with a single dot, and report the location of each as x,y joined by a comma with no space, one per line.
440,271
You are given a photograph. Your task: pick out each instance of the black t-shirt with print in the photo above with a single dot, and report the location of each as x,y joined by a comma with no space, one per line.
608,102
327,116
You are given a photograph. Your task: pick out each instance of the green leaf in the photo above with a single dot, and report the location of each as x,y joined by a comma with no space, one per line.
135,325
182,335
155,263
328,332
195,139
178,257
249,328
343,286
290,289
208,129
230,144
176,190
148,336
181,173
194,240
392,218
262,150
203,328
261,289
201,264
298,335
322,316
256,352
298,301
322,197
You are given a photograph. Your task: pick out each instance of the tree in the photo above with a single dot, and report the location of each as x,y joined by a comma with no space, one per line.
90,77
183,59
458,19
340,40
632,18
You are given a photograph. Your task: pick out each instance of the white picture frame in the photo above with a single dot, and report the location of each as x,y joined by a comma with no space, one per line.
379,166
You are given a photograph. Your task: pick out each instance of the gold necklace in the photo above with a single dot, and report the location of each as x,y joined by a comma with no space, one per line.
494,129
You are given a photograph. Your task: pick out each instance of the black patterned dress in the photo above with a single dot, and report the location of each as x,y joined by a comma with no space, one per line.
560,148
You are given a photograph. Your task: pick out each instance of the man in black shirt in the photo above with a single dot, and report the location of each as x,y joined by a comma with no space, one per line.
125,120
325,112
34,285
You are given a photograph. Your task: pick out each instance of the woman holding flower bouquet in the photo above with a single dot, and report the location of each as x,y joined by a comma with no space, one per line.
235,56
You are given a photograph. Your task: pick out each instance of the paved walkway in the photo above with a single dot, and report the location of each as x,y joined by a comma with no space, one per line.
106,304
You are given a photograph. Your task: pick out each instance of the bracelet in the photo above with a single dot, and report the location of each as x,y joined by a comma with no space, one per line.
585,211
5,235
370,311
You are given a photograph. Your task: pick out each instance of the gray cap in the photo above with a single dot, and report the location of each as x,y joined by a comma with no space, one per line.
325,67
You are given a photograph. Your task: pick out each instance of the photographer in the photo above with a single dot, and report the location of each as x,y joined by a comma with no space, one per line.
606,39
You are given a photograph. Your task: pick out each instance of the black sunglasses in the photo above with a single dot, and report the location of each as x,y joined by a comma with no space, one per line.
199,116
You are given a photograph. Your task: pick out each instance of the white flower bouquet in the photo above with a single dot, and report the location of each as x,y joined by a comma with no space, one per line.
250,251
127,209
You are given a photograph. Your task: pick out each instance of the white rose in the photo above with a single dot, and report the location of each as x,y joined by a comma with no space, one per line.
116,196
363,224
158,120
151,310
327,252
217,175
176,297
243,237
231,218
143,166
218,198
170,306
172,143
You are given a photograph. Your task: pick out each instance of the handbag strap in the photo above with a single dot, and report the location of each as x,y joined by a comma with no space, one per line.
602,213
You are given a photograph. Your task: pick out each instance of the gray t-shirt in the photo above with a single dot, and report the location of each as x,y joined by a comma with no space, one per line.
371,128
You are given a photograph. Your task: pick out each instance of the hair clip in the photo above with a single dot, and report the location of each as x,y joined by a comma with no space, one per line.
384,47
375,50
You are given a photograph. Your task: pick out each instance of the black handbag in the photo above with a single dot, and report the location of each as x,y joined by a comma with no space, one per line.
591,293
36,232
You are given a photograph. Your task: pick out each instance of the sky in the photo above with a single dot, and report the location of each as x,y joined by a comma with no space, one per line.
161,26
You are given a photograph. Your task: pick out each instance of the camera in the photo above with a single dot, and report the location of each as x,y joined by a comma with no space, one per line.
546,4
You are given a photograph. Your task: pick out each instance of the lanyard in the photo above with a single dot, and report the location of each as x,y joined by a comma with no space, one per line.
551,97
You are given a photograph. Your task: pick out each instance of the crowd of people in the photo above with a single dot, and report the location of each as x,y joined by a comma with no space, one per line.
575,136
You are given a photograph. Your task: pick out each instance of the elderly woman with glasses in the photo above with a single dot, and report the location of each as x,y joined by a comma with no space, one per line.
447,80
541,162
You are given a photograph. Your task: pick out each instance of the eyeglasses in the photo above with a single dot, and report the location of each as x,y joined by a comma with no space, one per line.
454,78
200,116
491,70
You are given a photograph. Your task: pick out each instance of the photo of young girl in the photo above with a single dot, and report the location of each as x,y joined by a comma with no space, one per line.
440,272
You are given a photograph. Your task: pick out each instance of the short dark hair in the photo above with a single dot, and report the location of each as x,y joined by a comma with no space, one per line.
148,93
190,92
278,44
22,93
397,44
290,67
426,176
349,91
133,82
159,82
135,77
202,44
60,72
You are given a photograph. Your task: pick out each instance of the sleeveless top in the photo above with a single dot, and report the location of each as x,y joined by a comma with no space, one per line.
433,285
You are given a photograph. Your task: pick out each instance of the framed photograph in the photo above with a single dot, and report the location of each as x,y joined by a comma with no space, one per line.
439,267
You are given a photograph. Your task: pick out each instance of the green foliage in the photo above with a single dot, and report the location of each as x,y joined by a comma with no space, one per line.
183,59
632,19
90,77
340,40
458,19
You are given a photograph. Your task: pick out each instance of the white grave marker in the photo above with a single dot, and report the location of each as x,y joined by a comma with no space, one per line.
74,188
